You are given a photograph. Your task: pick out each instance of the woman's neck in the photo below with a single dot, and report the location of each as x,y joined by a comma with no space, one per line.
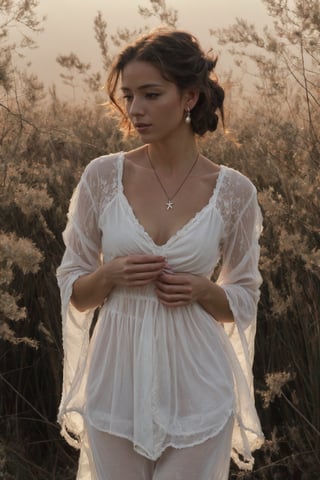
171,158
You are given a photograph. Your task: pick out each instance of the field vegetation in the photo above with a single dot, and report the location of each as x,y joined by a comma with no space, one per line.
273,119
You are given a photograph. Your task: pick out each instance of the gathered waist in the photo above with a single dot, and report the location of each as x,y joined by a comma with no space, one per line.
142,303
146,292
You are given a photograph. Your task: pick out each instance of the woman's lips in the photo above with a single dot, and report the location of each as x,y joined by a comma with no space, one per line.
142,127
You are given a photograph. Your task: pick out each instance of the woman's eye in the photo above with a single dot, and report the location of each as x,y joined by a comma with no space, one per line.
152,95
127,98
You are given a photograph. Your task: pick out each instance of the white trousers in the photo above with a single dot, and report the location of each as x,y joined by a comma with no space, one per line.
114,459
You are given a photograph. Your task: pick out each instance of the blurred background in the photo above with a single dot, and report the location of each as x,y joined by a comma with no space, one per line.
54,59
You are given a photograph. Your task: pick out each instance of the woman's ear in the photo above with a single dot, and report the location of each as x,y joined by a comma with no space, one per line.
191,97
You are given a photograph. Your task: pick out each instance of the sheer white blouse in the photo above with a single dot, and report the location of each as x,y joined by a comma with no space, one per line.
161,376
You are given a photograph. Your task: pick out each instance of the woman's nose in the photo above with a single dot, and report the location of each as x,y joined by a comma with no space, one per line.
136,107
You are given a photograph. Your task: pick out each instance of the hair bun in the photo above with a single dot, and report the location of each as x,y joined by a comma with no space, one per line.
212,122
210,64
218,93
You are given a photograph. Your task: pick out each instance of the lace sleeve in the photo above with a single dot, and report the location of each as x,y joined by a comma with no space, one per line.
239,276
82,238
82,235
241,280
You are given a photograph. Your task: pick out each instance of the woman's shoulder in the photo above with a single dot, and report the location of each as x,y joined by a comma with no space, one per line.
101,177
236,184
103,165
230,180
236,194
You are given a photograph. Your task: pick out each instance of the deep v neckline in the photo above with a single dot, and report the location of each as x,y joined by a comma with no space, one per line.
181,230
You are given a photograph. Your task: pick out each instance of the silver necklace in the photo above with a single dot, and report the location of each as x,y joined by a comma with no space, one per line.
169,203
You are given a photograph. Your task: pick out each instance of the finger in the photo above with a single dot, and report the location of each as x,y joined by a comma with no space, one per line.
145,259
142,276
173,288
139,283
141,279
173,297
155,267
173,279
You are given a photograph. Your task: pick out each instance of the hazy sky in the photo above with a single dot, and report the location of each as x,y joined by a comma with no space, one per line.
69,26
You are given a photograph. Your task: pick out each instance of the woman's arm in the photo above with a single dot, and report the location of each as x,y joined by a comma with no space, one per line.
91,290
214,300
178,289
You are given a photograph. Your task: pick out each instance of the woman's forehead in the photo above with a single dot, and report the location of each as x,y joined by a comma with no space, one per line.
137,72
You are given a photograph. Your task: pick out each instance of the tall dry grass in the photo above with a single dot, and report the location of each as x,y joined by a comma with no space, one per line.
281,153
281,161
45,144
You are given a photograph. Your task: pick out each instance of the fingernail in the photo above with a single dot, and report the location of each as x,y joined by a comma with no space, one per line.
167,269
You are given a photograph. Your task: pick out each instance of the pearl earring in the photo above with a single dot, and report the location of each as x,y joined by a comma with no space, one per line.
188,116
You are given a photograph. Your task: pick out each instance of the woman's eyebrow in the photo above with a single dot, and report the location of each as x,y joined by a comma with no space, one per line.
142,87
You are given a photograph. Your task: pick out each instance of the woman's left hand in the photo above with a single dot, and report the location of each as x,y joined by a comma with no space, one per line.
179,289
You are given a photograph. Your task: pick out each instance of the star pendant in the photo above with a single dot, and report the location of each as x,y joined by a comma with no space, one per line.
169,205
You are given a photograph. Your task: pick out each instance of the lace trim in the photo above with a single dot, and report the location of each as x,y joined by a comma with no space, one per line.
244,460
186,439
104,181
189,224
235,194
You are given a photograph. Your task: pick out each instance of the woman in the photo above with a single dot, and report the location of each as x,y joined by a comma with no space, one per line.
163,390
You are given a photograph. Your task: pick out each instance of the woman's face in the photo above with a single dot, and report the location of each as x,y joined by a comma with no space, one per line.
154,105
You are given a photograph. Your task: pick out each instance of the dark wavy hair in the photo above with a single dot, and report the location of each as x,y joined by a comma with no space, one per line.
180,59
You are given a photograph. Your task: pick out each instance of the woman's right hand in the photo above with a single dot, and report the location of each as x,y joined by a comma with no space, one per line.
90,291
133,270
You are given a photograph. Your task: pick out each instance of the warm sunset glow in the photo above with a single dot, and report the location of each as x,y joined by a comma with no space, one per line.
69,27
243,128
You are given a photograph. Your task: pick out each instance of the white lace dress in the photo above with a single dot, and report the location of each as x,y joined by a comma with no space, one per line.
161,376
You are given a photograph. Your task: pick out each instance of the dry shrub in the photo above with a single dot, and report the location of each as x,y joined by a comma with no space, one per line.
45,145
277,130
43,156
281,156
